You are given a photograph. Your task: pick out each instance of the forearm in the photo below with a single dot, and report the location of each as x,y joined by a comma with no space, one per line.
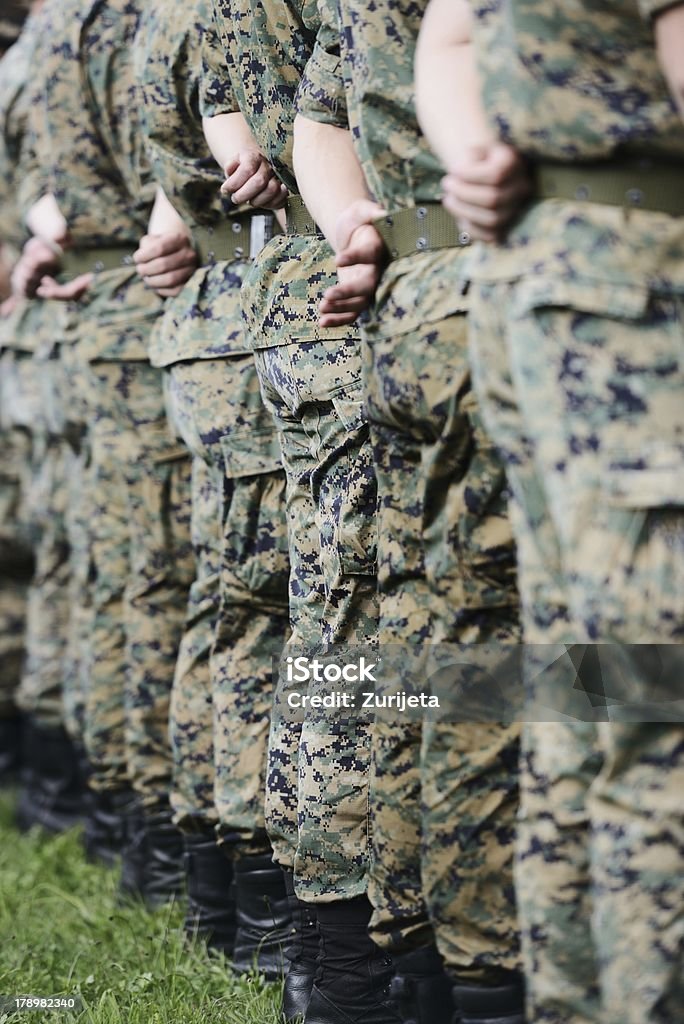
328,172
669,33
45,219
448,102
164,218
226,135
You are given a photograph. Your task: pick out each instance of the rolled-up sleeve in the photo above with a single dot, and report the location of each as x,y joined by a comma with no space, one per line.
321,94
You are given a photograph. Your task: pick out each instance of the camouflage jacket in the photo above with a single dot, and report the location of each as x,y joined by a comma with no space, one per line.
267,44
575,81
570,88
362,66
173,47
17,68
88,136
90,139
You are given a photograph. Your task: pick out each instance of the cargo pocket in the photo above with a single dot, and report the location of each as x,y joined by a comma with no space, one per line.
599,374
255,552
629,574
356,506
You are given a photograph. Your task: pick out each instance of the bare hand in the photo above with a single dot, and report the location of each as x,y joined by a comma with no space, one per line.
37,259
70,291
251,179
166,262
486,190
361,259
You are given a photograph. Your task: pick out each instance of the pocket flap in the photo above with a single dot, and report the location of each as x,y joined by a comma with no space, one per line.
585,295
649,477
251,453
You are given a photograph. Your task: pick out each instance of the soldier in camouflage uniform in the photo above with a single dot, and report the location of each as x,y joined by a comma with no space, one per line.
576,336
310,380
51,793
445,550
238,615
15,557
16,566
139,476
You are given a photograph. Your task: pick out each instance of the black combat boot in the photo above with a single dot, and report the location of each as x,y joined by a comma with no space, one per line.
495,1004
152,860
352,985
263,916
421,988
52,794
211,891
105,833
163,874
10,749
302,953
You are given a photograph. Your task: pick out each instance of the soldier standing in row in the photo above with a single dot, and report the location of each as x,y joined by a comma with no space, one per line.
238,614
139,479
316,795
568,162
446,555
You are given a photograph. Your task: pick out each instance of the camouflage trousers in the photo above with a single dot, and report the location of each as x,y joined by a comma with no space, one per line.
47,618
238,617
317,786
78,519
139,496
42,482
446,573
16,564
585,402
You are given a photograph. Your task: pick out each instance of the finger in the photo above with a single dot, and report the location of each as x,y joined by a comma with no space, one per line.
487,220
489,197
51,289
248,165
253,187
499,166
168,293
272,194
171,279
474,231
337,319
165,264
155,247
347,304
360,255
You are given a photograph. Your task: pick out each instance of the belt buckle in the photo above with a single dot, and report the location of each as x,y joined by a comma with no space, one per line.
260,232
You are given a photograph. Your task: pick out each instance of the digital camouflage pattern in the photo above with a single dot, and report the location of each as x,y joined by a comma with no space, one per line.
310,380
577,360
361,76
15,68
446,560
16,560
446,573
558,81
171,57
267,44
138,480
42,483
318,821
95,165
173,48
601,802
238,614
143,568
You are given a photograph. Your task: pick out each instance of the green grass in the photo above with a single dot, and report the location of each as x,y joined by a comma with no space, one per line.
62,934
